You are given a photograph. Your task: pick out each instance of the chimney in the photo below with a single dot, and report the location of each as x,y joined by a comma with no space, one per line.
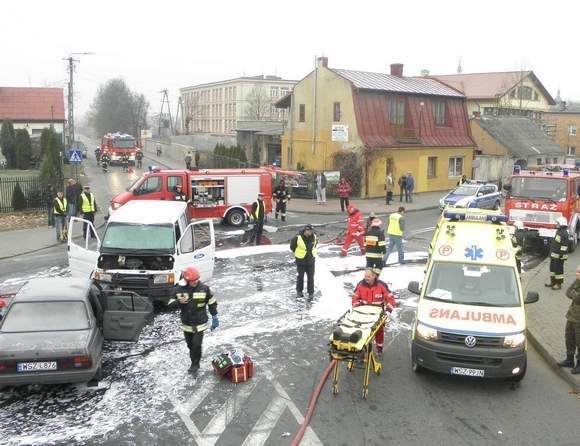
424,73
397,69
322,62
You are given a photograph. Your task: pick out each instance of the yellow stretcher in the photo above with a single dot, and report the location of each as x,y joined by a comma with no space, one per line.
352,337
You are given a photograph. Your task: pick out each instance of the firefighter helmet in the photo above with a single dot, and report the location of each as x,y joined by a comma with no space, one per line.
190,274
561,221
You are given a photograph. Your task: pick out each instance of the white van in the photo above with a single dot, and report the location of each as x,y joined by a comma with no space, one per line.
145,247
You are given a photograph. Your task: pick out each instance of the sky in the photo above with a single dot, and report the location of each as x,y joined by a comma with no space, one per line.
174,44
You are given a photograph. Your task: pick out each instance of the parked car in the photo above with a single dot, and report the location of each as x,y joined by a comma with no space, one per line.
53,330
473,195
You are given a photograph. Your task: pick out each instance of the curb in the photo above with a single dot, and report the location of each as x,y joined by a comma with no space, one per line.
426,208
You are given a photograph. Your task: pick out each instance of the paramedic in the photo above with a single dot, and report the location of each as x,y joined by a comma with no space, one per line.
354,230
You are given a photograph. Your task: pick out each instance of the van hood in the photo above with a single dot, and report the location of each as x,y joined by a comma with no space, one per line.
445,316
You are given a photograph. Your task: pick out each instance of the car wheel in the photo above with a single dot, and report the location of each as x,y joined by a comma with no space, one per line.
94,382
235,217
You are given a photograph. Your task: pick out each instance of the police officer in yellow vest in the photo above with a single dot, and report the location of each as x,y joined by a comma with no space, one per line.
303,245
258,214
60,209
88,207
395,232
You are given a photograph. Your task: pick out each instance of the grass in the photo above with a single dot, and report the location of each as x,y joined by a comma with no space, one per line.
18,173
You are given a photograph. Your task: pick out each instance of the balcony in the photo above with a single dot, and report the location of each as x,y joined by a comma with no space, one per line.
406,136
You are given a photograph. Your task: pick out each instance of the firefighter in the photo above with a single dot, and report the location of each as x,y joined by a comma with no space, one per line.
375,245
178,194
517,245
105,160
372,291
558,254
303,245
125,162
139,158
395,231
281,196
194,297
355,230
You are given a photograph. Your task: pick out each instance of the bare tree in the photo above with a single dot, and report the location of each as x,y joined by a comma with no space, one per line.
258,104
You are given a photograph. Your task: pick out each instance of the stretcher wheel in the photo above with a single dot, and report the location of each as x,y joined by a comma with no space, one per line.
335,390
365,392
350,366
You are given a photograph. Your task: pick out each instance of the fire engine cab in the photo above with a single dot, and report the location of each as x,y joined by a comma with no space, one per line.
227,194
118,144
538,198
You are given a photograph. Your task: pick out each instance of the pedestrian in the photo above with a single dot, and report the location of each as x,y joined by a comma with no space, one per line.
197,158
402,186
158,150
303,245
195,299
178,194
88,207
258,214
343,191
558,254
354,230
369,222
375,245
372,291
410,187
517,243
320,188
389,184
60,209
462,180
572,330
50,195
73,192
139,158
188,160
395,232
281,197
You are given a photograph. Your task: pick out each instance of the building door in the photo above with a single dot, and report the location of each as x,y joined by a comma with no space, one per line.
389,166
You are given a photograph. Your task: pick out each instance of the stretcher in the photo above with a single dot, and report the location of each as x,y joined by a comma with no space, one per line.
351,340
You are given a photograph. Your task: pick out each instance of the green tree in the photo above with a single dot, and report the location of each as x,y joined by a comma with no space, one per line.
8,143
23,148
44,138
51,164
18,198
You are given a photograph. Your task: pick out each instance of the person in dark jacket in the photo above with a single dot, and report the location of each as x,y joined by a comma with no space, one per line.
375,245
258,214
572,331
281,197
303,245
195,299
73,191
50,196
403,187
178,194
558,254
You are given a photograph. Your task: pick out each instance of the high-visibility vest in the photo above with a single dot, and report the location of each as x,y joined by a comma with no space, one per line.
258,214
301,251
62,204
88,205
394,224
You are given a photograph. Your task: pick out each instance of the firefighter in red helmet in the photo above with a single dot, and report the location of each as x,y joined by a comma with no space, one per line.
355,230
195,298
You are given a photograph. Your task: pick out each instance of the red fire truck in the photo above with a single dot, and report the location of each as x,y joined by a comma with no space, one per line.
538,198
116,145
214,193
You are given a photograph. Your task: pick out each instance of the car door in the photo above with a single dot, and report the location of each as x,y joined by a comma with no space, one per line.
83,252
196,248
125,315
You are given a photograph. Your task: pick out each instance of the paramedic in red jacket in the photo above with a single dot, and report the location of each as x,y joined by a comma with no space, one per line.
372,291
355,230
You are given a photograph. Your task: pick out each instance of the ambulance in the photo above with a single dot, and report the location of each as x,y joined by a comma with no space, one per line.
470,317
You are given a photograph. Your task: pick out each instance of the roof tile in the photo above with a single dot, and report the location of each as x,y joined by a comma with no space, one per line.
31,104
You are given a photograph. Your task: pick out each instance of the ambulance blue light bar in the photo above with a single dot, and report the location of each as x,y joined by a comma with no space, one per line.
475,217
153,169
565,172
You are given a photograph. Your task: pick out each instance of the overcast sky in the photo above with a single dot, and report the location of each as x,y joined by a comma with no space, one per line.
172,44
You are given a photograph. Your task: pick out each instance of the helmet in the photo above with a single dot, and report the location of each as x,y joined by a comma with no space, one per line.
376,222
518,225
561,221
190,274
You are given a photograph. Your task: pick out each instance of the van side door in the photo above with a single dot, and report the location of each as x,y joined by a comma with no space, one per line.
196,248
83,251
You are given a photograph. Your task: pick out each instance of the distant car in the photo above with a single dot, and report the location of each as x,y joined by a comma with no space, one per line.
473,195
84,152
53,329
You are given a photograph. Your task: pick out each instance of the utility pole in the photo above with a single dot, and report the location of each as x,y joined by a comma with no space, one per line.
179,108
71,124
165,98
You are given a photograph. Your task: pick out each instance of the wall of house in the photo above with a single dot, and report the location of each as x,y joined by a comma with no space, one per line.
558,125
35,128
485,142
492,168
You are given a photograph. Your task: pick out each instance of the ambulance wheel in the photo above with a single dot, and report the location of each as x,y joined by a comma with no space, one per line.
235,217
496,206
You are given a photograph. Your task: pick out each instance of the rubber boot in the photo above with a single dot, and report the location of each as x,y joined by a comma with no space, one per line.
576,370
568,362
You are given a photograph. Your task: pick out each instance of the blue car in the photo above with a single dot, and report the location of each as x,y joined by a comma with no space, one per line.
473,195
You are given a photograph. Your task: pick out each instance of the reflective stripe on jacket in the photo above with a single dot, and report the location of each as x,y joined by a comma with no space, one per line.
395,224
88,204
559,244
60,206
258,210
375,243
193,303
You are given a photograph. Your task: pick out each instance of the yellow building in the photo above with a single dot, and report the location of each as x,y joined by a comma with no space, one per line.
382,122
563,126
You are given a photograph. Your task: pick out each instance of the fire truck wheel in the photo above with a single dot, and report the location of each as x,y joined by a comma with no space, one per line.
235,217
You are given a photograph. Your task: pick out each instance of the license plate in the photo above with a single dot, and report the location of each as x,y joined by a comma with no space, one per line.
35,366
467,372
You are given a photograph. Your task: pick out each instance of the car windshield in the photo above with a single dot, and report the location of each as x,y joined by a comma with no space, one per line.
45,316
465,190
139,237
538,187
470,284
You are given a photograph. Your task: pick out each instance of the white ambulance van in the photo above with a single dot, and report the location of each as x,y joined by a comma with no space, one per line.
470,317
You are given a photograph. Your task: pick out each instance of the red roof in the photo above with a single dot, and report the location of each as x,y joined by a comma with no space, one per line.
31,104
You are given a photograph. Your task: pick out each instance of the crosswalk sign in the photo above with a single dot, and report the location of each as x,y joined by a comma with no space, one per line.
74,156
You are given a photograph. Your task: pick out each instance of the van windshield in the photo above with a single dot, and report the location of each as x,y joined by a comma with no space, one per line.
138,237
470,284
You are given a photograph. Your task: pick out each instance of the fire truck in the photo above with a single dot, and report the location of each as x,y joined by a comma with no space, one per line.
538,198
116,145
226,194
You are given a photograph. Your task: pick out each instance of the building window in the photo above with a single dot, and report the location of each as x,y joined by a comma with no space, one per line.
283,91
302,113
539,161
536,96
525,92
274,92
571,150
432,167
572,130
397,111
439,113
336,112
455,166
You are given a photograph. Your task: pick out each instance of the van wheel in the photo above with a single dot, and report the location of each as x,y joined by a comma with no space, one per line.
518,378
235,217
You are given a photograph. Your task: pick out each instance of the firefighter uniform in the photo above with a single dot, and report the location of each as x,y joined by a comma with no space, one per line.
125,162
281,196
88,207
355,230
194,303
572,331
558,255
375,245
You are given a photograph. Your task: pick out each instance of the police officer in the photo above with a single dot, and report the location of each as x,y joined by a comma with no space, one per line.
303,245
395,231
194,297
88,207
517,245
258,214
281,196
375,245
558,254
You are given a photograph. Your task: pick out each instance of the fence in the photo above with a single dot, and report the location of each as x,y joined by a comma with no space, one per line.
34,189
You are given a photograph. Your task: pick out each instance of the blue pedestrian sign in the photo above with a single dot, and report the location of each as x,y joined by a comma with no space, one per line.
74,156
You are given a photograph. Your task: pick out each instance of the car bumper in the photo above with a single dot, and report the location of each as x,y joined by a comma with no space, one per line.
441,357
68,376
